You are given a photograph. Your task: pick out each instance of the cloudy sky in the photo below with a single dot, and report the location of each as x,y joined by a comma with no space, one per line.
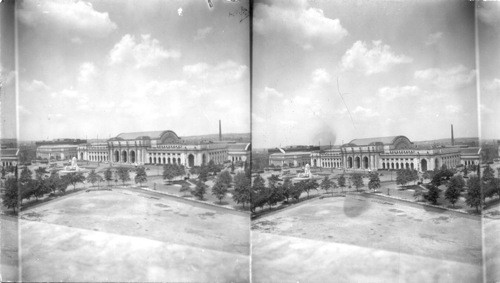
403,68
489,55
99,68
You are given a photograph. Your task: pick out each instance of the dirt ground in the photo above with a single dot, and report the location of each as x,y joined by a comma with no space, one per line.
491,230
9,248
128,235
358,239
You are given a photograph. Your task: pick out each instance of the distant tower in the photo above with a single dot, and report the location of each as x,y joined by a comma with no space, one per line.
452,138
220,131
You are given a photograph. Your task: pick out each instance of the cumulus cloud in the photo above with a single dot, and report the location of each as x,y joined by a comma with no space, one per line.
72,16
225,72
362,112
146,53
320,76
391,93
373,59
270,93
202,33
434,38
298,22
453,109
452,78
34,86
87,71
493,85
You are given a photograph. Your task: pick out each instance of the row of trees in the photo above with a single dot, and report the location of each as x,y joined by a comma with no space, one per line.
43,182
278,191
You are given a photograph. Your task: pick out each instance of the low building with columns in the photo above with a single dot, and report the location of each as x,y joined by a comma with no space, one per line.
396,152
155,147
239,152
470,155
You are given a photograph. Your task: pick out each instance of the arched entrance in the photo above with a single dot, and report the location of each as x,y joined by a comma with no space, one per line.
191,160
132,156
349,162
203,159
357,162
314,163
436,163
365,162
423,165
117,156
81,155
124,156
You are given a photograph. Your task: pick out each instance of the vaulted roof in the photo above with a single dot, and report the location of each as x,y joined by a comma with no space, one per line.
374,141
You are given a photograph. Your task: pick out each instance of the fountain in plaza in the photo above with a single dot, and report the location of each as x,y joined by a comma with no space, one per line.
73,168
304,176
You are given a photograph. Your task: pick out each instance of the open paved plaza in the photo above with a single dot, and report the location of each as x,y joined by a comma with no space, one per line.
491,230
130,235
361,239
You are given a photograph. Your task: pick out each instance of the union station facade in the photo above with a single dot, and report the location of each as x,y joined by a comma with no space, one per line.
396,152
159,147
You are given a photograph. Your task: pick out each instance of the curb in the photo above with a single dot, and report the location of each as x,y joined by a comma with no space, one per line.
191,200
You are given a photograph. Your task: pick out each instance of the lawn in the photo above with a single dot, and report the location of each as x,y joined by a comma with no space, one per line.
129,235
358,238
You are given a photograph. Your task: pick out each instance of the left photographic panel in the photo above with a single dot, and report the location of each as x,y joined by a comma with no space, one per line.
9,224
134,118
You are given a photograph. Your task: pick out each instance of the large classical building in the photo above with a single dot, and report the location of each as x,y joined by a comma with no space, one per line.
162,147
59,149
396,152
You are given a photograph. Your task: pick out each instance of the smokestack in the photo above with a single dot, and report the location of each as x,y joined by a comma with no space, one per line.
220,132
452,138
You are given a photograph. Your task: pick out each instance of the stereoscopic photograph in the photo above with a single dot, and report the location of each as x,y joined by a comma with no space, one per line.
249,141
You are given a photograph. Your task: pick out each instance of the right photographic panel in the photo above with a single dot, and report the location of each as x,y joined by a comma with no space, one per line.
488,35
369,159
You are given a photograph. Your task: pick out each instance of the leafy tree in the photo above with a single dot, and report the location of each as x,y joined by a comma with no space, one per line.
40,188
10,197
473,197
73,178
232,167
465,171
108,175
341,181
170,171
309,185
326,184
440,175
225,178
488,174
273,181
123,174
53,181
402,177
452,193
185,188
433,193
260,192
40,172
297,189
219,190
26,175
357,180
276,195
374,182
140,176
200,190
242,189
491,188
26,190
93,177
286,188
203,173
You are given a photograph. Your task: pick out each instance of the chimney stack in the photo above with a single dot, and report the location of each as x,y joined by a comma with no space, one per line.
452,138
220,132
